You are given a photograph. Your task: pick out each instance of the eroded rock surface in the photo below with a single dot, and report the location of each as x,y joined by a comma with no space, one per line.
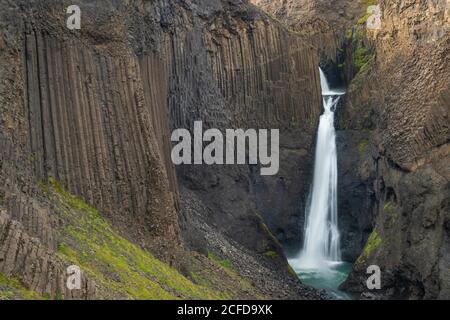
392,138
402,98
93,110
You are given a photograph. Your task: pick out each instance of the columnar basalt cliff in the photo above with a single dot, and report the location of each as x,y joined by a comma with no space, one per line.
324,22
251,75
402,101
86,118
393,143
327,24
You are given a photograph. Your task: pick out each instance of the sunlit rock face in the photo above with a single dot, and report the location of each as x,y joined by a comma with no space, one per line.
403,99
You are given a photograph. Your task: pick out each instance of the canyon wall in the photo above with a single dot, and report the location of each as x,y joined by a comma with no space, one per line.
401,100
80,110
247,75
326,24
392,136
86,120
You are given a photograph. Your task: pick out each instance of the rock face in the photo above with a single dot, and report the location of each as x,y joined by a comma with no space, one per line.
324,22
93,109
403,100
248,75
393,139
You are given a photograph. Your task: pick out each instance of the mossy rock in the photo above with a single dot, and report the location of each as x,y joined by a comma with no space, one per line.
271,254
119,268
12,289
373,243
221,262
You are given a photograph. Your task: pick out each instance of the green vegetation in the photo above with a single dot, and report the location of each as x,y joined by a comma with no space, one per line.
271,254
292,271
12,289
223,263
117,266
360,77
226,266
366,16
373,243
389,208
349,34
362,55
362,147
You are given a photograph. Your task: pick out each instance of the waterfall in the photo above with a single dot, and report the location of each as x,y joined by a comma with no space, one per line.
321,241
324,83
319,264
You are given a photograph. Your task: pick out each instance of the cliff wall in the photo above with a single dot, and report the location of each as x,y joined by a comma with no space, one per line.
402,99
85,123
392,137
247,75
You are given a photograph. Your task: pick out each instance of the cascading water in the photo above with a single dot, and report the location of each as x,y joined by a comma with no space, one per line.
321,244
319,262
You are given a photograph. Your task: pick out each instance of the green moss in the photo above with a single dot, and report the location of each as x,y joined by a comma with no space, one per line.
292,271
31,157
360,77
43,186
230,273
116,265
12,289
362,53
349,34
223,263
389,208
271,254
58,295
362,147
362,56
373,243
363,19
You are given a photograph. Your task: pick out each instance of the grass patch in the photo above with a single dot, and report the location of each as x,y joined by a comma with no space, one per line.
271,254
373,243
389,208
118,267
362,147
292,271
362,55
361,76
366,16
12,289
222,262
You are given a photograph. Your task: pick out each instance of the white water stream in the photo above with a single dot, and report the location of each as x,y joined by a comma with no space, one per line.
320,257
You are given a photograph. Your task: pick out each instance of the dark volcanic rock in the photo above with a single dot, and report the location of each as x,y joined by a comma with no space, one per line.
404,93
393,139
94,110
355,196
